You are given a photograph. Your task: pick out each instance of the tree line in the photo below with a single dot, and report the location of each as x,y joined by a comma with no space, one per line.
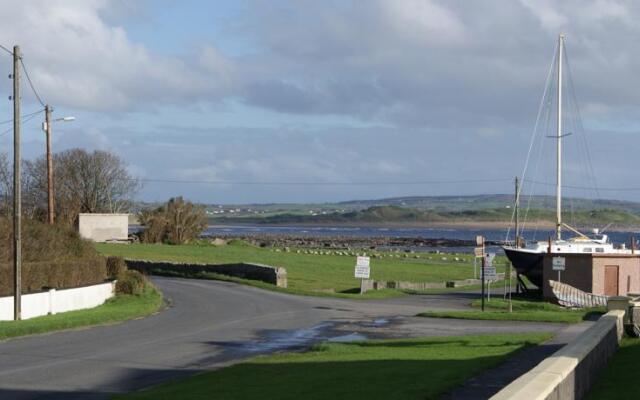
96,182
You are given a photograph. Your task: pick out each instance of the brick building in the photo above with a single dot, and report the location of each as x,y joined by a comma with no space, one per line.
604,274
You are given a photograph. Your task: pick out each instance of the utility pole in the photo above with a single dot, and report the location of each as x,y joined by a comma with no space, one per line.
17,201
516,206
50,199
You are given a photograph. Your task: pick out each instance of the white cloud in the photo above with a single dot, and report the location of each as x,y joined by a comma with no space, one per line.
80,61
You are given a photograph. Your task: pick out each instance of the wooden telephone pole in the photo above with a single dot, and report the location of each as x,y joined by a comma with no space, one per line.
17,201
50,199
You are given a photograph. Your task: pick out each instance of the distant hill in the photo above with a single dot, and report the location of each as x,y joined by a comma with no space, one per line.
407,215
443,203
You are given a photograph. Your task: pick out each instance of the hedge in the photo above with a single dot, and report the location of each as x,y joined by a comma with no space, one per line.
37,276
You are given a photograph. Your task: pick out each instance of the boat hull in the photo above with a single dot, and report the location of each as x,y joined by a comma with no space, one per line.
527,263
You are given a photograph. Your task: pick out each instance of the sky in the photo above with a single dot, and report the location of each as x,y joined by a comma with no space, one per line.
243,101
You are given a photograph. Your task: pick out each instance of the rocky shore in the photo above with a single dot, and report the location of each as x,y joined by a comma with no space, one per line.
344,242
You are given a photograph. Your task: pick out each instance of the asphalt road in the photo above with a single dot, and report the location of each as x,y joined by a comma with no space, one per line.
211,324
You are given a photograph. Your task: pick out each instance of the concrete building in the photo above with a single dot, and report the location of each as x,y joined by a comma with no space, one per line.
103,227
602,274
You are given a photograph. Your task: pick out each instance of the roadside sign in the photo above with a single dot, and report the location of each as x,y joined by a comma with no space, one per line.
362,271
363,261
490,273
558,263
362,267
489,259
478,251
479,240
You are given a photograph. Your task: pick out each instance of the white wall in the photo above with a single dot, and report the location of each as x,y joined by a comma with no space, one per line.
103,227
55,301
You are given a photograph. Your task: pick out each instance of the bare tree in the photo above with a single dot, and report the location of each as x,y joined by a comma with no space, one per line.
6,185
84,182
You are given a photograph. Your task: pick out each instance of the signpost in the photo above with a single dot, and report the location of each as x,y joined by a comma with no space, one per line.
477,253
489,272
363,270
558,264
480,243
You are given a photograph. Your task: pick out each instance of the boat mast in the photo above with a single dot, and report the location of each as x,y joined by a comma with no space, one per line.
559,141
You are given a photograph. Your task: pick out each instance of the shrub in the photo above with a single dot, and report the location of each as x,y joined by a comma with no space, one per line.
62,274
131,282
53,256
176,222
115,266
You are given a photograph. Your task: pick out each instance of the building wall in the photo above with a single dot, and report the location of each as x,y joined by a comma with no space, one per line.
628,273
578,272
103,227
587,273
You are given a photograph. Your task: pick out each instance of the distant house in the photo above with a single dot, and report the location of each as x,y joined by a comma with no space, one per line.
104,227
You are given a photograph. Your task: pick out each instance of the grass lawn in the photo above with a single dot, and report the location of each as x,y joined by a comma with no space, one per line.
117,309
523,310
620,379
380,369
310,273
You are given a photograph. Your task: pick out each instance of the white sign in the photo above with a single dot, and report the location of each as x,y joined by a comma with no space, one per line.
478,251
362,267
489,259
479,240
490,273
363,261
362,272
557,263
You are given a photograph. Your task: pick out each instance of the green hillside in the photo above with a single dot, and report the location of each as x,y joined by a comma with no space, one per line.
402,215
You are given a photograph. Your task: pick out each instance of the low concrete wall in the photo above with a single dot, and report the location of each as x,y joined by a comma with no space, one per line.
266,273
570,372
370,284
56,301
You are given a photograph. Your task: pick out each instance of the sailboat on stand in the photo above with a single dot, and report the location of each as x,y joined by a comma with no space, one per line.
527,258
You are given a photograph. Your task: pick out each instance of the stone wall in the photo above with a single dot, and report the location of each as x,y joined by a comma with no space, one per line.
265,273
370,284
571,371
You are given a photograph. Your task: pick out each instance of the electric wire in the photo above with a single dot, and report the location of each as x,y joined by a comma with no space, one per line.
301,183
6,49
8,121
24,121
33,89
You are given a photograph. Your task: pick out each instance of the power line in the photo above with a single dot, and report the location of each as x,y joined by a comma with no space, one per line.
153,180
24,116
5,49
608,189
24,121
33,89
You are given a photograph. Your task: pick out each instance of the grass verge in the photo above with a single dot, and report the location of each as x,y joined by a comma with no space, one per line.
379,369
310,274
119,308
523,310
620,379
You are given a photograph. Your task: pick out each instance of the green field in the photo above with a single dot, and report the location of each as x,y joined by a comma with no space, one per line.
120,308
310,273
539,311
380,369
620,379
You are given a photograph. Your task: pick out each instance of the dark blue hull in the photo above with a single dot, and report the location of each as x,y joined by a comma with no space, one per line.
527,264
